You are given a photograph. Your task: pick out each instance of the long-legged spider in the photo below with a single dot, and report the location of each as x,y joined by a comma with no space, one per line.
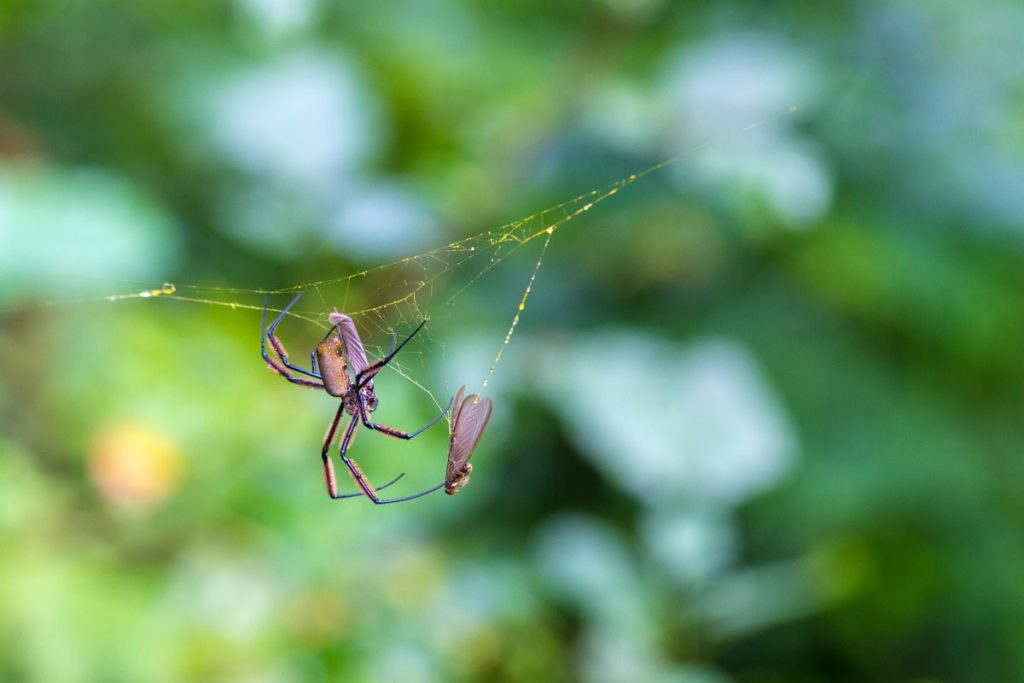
329,366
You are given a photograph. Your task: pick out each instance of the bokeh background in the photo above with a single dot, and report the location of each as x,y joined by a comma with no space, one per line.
762,419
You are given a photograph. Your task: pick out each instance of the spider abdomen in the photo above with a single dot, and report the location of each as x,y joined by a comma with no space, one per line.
330,359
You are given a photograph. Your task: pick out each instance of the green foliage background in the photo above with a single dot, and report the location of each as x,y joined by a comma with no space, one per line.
762,420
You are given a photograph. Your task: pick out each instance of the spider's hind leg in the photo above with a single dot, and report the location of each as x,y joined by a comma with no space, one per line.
371,493
329,478
357,474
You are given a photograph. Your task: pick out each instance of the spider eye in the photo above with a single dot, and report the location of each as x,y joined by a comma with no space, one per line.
371,403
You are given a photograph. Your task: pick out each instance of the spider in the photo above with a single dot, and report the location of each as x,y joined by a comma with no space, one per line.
329,365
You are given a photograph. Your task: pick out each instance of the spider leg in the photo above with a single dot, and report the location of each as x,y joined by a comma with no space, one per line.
280,369
329,479
360,479
364,415
329,472
278,346
362,378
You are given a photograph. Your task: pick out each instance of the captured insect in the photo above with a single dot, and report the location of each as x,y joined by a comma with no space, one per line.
330,364
469,420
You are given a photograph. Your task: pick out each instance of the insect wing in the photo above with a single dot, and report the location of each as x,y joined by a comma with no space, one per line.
472,420
353,344
469,420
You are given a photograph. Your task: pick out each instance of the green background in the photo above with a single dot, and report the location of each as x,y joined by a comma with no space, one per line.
761,419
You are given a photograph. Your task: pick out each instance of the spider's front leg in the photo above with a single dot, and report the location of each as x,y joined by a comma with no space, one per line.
366,375
364,379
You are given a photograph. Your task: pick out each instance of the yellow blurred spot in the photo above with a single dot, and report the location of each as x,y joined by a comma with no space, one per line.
134,467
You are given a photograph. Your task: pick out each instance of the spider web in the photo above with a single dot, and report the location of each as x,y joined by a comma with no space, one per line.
394,297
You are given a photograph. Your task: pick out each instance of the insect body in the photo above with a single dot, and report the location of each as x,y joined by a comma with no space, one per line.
469,420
